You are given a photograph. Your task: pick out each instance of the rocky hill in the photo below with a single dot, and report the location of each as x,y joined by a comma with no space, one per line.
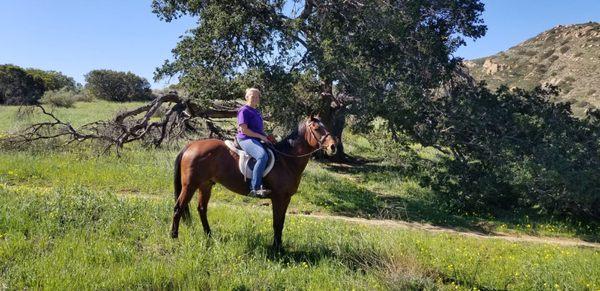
567,56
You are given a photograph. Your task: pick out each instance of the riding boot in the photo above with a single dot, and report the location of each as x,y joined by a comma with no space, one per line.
260,193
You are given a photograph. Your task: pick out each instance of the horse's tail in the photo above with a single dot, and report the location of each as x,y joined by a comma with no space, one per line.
177,183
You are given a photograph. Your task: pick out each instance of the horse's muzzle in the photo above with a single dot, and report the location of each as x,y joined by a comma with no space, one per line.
331,150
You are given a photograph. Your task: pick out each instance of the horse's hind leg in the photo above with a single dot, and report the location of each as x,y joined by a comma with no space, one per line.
187,192
203,198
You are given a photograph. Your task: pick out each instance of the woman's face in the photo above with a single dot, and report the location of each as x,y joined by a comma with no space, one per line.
253,98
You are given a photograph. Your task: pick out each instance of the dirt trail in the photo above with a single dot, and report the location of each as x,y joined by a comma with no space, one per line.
574,242
432,228
404,225
440,229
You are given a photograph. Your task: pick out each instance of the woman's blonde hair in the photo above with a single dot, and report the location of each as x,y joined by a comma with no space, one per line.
250,90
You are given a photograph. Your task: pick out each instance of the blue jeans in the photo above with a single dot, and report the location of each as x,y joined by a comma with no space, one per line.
255,149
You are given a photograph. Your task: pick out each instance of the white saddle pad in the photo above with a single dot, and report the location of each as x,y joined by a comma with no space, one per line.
245,158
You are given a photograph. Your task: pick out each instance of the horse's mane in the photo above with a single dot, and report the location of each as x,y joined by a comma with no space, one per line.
287,144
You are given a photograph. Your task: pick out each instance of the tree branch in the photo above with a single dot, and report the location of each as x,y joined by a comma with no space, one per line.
127,127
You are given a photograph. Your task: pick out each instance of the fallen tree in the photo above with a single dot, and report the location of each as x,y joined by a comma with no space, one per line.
181,116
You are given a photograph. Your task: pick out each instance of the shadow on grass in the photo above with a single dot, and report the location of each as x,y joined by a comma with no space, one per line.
311,256
368,260
348,199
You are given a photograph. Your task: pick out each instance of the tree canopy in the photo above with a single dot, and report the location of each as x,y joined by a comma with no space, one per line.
18,87
366,58
394,60
117,86
54,80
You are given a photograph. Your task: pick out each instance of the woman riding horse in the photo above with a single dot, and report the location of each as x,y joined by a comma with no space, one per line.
203,163
250,133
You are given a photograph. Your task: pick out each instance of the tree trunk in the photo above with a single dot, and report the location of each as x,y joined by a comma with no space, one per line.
333,115
335,121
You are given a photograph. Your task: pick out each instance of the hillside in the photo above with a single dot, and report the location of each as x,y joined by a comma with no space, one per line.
567,56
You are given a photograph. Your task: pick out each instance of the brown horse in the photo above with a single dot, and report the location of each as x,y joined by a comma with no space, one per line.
203,163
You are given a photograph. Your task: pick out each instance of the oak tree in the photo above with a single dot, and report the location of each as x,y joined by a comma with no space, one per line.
366,58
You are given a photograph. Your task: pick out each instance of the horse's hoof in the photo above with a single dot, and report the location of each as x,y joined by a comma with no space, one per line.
174,235
277,249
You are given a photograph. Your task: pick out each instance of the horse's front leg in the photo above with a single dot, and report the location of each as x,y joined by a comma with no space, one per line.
280,205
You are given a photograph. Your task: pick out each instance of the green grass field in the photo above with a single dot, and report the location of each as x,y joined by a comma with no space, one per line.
83,112
72,219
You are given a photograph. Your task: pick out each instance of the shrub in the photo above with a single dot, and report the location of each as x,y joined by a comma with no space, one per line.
546,54
564,49
60,98
83,97
517,150
17,87
54,80
117,86
582,103
541,68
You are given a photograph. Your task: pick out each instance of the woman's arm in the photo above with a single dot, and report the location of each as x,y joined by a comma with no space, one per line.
249,132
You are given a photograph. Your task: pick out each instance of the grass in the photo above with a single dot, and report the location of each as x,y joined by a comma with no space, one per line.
135,172
71,238
382,190
83,112
73,219
370,191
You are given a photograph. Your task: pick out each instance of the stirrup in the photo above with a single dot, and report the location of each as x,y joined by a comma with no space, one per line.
260,193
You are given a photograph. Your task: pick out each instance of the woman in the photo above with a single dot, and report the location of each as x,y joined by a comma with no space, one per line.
250,133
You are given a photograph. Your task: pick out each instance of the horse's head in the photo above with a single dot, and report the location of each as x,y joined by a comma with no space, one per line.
318,136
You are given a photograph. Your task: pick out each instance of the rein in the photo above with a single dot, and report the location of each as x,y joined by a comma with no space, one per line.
293,156
319,141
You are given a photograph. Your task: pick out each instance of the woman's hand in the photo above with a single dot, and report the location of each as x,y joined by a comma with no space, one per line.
265,139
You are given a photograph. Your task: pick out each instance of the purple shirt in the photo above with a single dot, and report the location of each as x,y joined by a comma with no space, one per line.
252,118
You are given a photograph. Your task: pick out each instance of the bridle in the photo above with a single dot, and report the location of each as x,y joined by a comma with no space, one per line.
320,141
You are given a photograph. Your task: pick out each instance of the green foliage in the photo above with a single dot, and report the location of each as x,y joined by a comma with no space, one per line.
117,86
320,57
18,87
409,181
54,80
515,149
61,98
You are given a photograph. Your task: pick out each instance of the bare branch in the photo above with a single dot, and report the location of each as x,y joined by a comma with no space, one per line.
128,126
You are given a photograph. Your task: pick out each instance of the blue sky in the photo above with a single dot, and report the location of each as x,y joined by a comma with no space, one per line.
76,36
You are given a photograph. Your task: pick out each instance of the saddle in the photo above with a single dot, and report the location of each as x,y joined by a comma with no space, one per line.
246,162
